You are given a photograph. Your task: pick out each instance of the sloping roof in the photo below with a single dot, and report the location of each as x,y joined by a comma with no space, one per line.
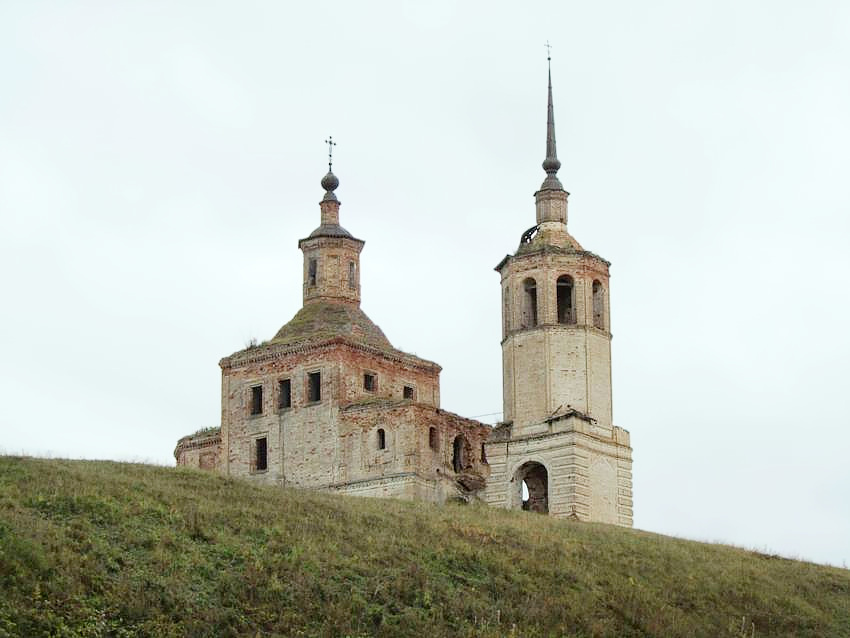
321,320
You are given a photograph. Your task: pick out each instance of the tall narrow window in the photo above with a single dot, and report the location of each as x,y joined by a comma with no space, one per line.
284,394
261,459
566,311
312,268
529,303
370,383
352,275
257,399
382,439
433,442
314,387
408,392
598,305
483,454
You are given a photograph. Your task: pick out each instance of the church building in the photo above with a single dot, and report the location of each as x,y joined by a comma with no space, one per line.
328,403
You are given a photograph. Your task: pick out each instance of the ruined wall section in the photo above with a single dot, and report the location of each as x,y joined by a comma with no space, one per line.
418,440
201,450
391,374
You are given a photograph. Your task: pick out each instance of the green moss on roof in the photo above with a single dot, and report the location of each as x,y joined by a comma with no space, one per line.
322,320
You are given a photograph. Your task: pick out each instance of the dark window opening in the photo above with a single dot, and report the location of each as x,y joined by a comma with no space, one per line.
312,268
257,399
483,454
314,387
370,383
408,392
261,458
529,303
433,442
285,394
460,454
382,439
598,305
352,275
566,311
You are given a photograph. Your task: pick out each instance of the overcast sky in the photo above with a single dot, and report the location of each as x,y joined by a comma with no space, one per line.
159,162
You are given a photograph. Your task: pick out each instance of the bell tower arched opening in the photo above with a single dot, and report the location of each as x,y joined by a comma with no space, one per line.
566,310
529,303
532,485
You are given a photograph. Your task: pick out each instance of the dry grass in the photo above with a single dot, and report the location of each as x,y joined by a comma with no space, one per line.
109,549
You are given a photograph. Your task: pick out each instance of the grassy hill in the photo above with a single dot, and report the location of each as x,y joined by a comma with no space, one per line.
111,549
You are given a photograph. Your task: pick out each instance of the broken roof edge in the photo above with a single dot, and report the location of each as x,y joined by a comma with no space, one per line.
269,350
393,404
549,249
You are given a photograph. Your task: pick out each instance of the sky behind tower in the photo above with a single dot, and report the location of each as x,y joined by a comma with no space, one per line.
160,160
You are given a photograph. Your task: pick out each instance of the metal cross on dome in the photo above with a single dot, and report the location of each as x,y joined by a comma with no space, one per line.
330,142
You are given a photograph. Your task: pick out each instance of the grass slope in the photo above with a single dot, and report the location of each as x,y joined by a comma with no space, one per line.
110,549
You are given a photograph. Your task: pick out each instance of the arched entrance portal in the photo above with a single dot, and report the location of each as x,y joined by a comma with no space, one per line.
532,483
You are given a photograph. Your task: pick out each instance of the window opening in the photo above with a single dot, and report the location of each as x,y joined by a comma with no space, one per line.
533,486
370,383
312,268
598,305
564,286
408,392
433,442
483,454
314,387
257,399
352,275
261,460
529,304
382,439
284,394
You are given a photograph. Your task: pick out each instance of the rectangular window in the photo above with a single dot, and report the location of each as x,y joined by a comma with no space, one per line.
352,275
261,458
408,392
312,268
314,387
257,399
370,382
284,394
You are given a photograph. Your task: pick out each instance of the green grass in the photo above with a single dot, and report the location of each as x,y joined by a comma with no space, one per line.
111,549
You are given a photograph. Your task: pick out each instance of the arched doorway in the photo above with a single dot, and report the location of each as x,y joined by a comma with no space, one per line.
532,485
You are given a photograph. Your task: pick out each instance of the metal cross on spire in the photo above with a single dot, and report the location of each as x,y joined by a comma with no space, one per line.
330,142
548,51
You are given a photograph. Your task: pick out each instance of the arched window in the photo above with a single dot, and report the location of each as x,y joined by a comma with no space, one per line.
529,303
598,305
566,310
433,442
382,439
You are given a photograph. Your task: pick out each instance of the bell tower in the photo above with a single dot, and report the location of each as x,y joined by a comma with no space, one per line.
557,449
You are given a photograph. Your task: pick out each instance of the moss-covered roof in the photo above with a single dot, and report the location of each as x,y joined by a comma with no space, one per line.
321,320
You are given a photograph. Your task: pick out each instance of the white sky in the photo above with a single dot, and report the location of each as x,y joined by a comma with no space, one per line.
160,160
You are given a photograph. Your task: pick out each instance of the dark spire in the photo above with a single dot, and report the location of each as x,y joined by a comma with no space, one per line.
551,164
330,181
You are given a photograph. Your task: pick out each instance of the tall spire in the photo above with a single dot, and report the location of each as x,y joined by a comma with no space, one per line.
551,164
